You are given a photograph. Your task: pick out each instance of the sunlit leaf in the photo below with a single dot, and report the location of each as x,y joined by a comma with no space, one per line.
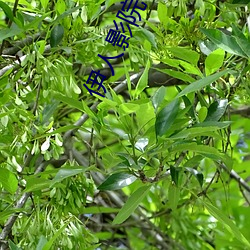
8,180
214,61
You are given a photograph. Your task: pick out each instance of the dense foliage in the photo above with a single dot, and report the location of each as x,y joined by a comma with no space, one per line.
160,162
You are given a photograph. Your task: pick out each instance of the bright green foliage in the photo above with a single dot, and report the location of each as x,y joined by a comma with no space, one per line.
161,162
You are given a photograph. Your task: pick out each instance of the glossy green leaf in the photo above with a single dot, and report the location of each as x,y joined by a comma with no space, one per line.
198,85
56,35
173,196
227,223
198,175
214,61
216,110
117,181
158,97
8,180
166,117
223,41
131,204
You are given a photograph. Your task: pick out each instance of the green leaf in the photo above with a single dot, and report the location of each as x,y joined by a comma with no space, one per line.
7,10
161,11
144,34
227,223
70,101
216,110
202,114
245,2
214,61
204,150
13,246
117,181
186,54
49,110
166,117
8,180
143,81
193,132
198,175
173,196
56,35
158,97
132,203
66,172
9,211
177,74
219,125
197,85
41,243
98,210
67,12
35,183
128,108
44,3
174,172
223,41
244,45
9,32
49,244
